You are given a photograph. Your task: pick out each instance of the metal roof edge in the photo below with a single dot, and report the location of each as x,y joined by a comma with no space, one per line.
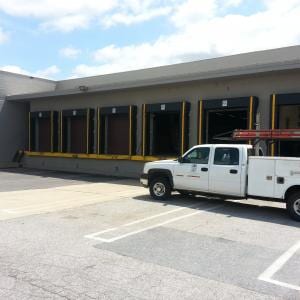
27,76
181,78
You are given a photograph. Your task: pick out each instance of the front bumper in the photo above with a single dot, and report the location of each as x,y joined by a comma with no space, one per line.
144,180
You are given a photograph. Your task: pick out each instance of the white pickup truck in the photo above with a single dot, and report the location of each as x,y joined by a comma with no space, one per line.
228,171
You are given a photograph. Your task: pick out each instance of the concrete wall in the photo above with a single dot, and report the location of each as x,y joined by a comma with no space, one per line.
13,133
13,115
121,168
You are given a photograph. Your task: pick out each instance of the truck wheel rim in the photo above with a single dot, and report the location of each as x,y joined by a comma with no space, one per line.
159,189
297,207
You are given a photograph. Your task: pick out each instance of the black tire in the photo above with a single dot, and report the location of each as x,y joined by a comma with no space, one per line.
160,188
293,205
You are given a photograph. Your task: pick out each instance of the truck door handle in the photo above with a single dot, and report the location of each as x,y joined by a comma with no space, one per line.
232,171
204,169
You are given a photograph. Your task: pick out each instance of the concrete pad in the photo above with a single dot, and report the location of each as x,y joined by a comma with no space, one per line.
34,201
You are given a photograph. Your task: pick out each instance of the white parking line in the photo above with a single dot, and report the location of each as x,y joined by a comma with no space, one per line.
277,265
95,236
8,211
141,220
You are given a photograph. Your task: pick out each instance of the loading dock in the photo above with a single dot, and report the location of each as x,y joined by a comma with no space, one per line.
165,129
117,130
285,114
77,131
218,118
43,131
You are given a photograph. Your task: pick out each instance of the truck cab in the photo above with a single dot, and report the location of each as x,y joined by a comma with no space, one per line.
216,169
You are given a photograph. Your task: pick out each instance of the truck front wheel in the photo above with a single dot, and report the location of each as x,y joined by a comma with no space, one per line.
160,188
293,205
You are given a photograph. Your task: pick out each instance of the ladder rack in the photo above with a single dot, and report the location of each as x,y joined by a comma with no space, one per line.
271,134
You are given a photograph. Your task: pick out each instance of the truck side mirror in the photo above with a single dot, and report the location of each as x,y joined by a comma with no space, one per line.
180,159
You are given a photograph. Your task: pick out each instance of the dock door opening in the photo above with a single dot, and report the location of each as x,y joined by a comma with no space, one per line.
77,131
43,132
117,130
285,114
218,118
221,122
165,137
165,129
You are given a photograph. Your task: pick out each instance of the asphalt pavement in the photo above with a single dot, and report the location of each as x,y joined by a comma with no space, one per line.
72,236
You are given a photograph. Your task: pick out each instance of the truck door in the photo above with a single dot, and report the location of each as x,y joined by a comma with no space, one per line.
192,172
225,171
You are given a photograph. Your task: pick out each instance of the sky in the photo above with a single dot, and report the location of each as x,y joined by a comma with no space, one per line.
61,39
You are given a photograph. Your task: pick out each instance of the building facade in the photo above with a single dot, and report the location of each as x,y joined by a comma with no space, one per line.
112,124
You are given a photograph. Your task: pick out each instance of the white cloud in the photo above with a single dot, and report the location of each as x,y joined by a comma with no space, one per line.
67,15
14,69
70,52
3,36
201,32
48,73
67,23
41,9
128,19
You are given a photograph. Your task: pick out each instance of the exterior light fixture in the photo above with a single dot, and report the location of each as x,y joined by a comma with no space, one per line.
83,88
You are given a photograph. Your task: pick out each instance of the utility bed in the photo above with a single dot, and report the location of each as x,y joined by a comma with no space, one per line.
270,176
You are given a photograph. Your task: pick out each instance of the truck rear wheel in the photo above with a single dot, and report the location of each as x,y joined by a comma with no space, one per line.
160,188
293,205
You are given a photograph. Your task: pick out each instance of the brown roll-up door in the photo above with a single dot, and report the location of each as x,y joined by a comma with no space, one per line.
117,134
117,130
44,135
78,135
43,131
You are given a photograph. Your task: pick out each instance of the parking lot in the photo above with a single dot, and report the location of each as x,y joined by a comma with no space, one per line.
71,236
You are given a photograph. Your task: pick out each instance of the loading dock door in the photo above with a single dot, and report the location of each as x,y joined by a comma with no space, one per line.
165,129
43,131
166,134
117,130
118,134
217,118
77,131
285,114
289,118
78,135
222,122
44,135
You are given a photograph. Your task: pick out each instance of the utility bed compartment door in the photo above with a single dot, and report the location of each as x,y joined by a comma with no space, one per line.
287,174
261,176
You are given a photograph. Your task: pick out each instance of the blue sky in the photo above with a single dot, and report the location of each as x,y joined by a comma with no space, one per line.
61,39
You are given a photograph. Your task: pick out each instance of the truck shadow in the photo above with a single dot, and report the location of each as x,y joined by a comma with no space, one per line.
245,209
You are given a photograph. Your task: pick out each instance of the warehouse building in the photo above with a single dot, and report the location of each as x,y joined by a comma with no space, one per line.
112,124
